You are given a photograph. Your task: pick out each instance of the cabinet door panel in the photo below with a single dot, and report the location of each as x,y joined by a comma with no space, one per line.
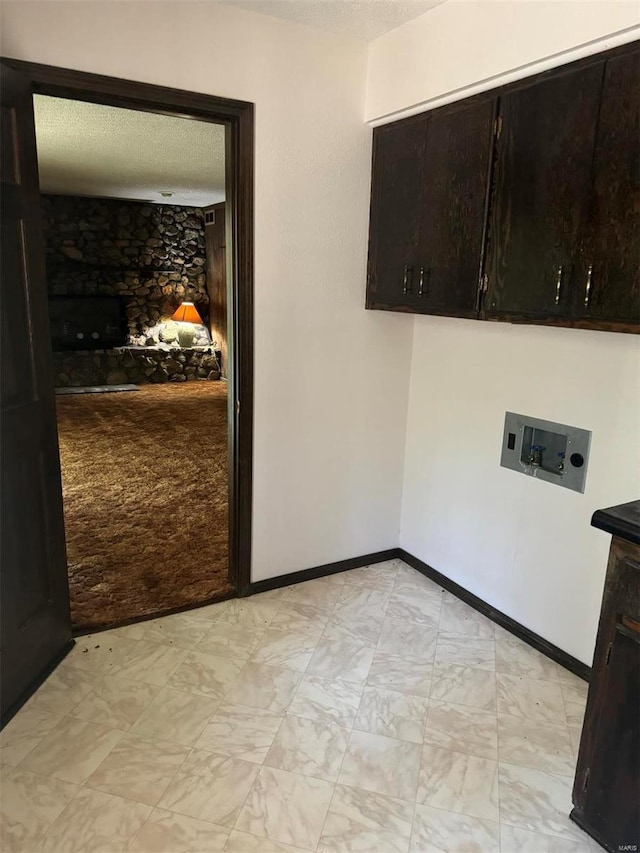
606,790
396,199
458,153
542,175
611,256
612,795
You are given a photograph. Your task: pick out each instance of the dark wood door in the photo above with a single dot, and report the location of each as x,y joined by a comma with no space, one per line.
608,283
34,600
397,193
542,177
456,174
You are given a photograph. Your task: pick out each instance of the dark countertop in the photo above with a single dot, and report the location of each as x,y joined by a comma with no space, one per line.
622,521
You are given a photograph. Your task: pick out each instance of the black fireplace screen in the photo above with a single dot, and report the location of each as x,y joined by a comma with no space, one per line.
87,322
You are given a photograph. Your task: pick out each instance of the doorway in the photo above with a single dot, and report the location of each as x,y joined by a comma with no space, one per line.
35,598
136,288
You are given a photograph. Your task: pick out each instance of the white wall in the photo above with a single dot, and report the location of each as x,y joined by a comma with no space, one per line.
331,379
521,544
460,47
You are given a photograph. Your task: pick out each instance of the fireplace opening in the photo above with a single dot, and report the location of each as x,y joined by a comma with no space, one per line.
87,322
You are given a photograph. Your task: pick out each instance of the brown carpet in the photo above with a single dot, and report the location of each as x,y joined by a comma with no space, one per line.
145,499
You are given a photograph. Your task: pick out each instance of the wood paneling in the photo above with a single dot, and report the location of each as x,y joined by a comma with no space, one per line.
215,242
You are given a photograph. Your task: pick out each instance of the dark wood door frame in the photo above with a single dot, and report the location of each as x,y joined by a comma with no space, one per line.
238,119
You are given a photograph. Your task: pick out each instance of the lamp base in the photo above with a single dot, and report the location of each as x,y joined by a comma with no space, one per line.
186,335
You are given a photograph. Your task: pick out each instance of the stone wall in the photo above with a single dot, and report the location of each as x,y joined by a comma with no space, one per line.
150,255
133,365
153,255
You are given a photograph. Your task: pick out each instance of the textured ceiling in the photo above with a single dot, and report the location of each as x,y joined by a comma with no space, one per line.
361,20
94,150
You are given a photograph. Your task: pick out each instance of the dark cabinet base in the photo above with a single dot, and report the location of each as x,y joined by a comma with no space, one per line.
606,790
569,323
578,819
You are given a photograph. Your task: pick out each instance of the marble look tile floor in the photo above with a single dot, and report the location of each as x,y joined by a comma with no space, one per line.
366,712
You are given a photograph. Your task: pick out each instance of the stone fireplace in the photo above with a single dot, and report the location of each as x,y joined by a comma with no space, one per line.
148,258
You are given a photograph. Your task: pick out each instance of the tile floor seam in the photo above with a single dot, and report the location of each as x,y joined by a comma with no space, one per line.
52,824
326,817
498,784
166,788
244,802
150,816
78,703
322,678
263,838
167,808
366,793
413,828
294,773
130,726
561,726
39,775
48,779
277,767
535,769
134,838
36,745
566,716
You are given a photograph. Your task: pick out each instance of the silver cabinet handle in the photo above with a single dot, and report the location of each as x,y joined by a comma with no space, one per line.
422,289
406,279
559,285
587,290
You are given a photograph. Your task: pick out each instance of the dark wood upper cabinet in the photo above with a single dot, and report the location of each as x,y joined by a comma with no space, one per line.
396,199
458,157
429,194
608,283
543,165
521,204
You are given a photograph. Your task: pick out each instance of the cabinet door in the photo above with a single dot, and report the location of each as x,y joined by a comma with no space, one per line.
458,154
608,287
606,791
396,198
612,786
542,176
